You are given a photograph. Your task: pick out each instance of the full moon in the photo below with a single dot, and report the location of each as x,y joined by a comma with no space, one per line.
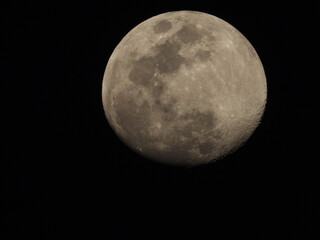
184,88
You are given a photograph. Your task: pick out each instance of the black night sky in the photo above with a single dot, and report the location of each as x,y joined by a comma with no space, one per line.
65,174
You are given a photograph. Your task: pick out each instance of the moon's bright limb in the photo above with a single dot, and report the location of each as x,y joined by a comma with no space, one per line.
184,88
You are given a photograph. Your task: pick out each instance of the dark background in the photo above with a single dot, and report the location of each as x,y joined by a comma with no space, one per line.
66,175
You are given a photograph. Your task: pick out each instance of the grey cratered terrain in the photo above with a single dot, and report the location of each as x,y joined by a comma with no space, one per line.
184,88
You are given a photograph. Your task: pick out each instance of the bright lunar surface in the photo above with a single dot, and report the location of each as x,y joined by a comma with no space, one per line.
184,88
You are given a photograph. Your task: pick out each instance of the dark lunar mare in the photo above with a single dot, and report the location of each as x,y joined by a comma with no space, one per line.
162,27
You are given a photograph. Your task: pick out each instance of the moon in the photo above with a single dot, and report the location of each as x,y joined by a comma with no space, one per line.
184,88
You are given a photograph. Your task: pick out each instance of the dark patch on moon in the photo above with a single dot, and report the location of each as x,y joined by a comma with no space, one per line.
168,59
203,55
142,71
162,27
189,34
